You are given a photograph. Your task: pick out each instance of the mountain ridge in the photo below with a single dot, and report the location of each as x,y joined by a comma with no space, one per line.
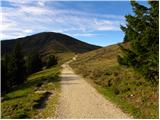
47,43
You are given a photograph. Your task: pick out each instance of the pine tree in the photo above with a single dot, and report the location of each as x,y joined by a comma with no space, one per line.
51,61
142,33
5,84
16,66
34,63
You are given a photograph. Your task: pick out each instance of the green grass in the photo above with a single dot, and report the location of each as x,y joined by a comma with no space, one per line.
146,109
109,94
122,85
21,101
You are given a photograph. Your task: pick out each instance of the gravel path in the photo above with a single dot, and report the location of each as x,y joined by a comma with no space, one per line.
80,100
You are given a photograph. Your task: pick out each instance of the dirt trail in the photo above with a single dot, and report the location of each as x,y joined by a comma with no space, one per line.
80,100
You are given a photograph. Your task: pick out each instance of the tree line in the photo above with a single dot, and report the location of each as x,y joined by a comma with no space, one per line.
142,34
15,67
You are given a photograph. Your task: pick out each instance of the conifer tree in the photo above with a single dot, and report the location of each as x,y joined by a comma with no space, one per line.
142,33
34,63
51,61
17,69
5,84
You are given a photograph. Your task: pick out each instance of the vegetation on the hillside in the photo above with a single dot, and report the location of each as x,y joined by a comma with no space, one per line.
20,87
142,33
25,98
51,61
44,44
16,66
28,99
24,92
120,84
64,57
13,69
34,63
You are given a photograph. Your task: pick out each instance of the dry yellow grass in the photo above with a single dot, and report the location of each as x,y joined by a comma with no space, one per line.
118,83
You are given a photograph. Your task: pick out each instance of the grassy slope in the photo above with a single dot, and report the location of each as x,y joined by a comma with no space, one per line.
122,85
64,57
21,102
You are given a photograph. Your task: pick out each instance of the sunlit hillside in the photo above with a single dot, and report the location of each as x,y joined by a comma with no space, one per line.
116,82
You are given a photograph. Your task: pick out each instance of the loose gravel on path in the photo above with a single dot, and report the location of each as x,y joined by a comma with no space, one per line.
80,100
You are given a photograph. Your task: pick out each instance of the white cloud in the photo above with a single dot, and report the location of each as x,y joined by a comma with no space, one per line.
26,19
41,3
28,31
85,34
19,1
107,25
6,26
34,10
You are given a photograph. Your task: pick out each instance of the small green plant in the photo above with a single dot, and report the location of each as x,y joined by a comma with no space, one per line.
116,90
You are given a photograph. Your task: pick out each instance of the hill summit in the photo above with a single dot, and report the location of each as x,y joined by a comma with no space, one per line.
48,42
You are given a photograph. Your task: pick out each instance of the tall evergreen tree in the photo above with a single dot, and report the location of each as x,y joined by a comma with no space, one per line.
13,70
51,61
5,84
16,66
142,33
34,63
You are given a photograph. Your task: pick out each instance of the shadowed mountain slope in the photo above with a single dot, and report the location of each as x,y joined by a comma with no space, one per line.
48,42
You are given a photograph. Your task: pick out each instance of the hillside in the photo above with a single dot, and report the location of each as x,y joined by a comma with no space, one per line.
36,98
122,85
47,43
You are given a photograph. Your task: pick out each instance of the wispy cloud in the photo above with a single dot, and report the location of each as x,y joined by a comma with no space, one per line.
28,18
84,34
41,3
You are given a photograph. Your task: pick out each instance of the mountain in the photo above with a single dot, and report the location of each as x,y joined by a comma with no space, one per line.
47,43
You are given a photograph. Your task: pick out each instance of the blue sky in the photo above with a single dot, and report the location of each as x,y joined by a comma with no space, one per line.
93,22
